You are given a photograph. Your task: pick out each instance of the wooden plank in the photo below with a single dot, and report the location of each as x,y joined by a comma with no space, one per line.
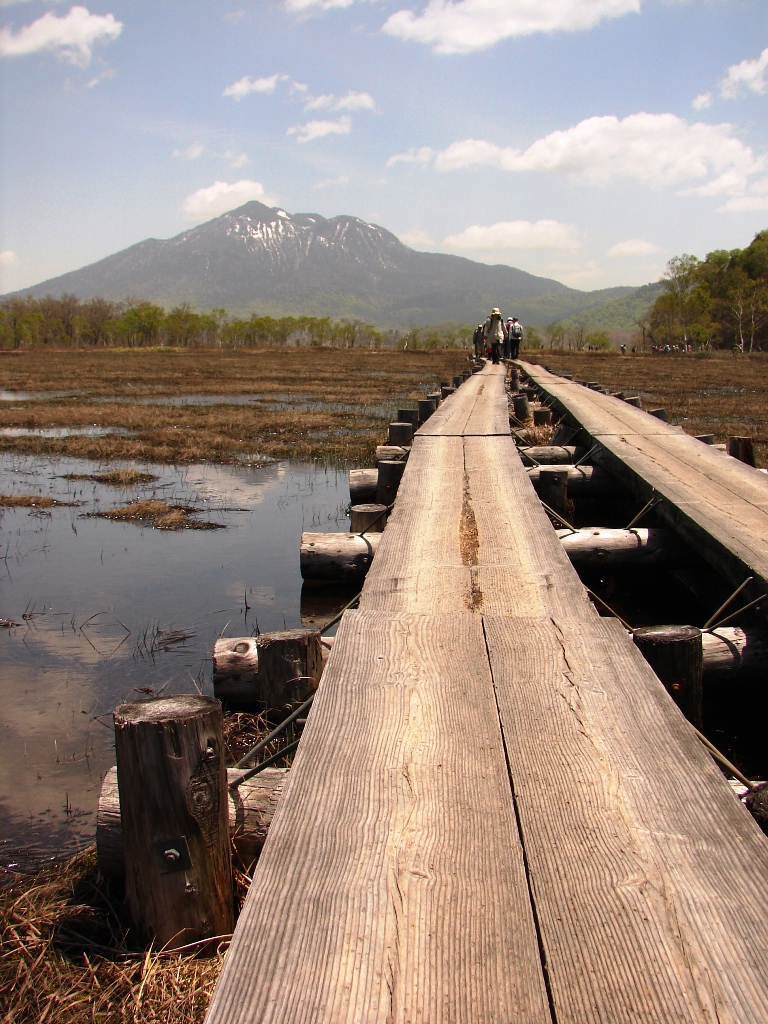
648,877
392,886
478,407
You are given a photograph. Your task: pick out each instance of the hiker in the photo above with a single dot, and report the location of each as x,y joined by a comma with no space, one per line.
515,337
477,341
493,332
507,338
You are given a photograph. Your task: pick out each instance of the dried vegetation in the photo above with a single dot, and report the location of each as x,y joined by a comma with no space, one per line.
159,514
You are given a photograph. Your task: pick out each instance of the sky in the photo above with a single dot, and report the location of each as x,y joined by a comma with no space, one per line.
584,140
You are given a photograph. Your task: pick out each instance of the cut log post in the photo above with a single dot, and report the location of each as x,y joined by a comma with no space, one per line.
706,438
520,405
362,485
458,380
619,395
597,546
446,390
173,799
542,417
675,655
426,407
593,385
741,448
634,400
390,475
269,676
388,452
251,808
436,396
660,414
732,652
337,557
583,482
514,378
409,416
466,374
551,454
370,517
235,668
400,434
553,488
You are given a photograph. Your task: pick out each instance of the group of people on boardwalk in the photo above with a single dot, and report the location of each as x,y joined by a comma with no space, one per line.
496,337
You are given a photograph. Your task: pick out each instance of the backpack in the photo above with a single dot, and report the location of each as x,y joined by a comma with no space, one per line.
516,330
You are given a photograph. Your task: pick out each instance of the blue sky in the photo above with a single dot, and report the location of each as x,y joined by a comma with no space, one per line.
585,140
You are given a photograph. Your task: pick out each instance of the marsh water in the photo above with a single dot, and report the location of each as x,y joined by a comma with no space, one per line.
96,612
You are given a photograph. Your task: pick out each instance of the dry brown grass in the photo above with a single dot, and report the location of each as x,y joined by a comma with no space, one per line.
720,394
299,417
159,514
29,501
115,477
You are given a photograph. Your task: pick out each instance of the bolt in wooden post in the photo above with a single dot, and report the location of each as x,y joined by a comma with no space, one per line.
400,433
542,417
362,516
675,653
390,475
553,488
426,408
522,410
741,448
173,800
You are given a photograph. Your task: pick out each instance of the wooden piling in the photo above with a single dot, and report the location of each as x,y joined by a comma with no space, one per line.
542,417
553,488
660,414
706,438
426,407
634,400
173,800
390,475
514,378
409,416
369,517
386,452
262,674
362,485
337,557
741,448
520,405
675,654
400,434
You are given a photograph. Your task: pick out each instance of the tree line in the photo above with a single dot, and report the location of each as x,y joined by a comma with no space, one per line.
131,323
718,302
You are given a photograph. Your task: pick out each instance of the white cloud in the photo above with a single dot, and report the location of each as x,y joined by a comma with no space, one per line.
192,152
744,204
507,236
416,237
749,74
657,149
323,5
702,101
421,155
236,159
72,36
220,197
352,102
633,247
578,275
245,85
319,129
343,179
7,257
463,26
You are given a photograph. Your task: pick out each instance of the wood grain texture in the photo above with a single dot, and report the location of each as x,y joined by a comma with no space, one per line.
391,886
647,876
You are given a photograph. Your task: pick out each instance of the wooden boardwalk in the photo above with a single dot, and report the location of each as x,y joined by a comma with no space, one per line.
718,503
496,813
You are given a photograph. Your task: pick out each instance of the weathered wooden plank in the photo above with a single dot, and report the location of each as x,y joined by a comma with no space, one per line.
392,886
647,876
478,407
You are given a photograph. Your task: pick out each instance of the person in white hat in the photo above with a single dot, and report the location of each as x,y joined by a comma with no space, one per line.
493,332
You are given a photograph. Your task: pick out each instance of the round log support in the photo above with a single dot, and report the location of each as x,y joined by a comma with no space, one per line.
741,448
390,475
173,799
732,651
583,481
542,417
514,378
426,408
409,416
553,488
251,808
458,380
400,434
362,485
522,410
446,390
370,517
634,400
660,414
436,396
337,557
466,374
235,668
290,663
675,654
596,546
550,454
387,452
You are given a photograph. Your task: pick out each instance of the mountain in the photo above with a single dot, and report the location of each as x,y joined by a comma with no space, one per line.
262,259
616,314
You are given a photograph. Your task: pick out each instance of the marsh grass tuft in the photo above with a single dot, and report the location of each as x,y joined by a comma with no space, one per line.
31,501
115,477
159,514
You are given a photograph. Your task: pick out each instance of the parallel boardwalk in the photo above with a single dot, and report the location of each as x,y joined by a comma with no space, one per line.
719,503
496,814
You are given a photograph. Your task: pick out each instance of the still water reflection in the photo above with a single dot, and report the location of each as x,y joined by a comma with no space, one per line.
89,602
